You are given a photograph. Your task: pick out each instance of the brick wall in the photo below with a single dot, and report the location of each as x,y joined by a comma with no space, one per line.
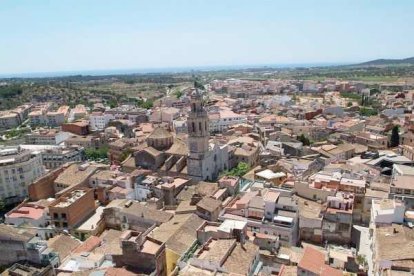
43,187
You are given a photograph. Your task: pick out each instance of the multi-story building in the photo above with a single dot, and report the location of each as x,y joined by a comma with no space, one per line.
54,158
337,219
373,141
222,120
37,115
79,127
74,175
98,120
167,114
58,117
46,137
18,169
9,119
121,148
275,213
78,112
84,141
126,214
229,255
72,208
402,185
43,115
15,117
243,149
17,245
142,253
386,212
128,112
31,215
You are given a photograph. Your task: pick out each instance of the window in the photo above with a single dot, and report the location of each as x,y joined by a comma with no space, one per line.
64,216
65,225
55,216
199,126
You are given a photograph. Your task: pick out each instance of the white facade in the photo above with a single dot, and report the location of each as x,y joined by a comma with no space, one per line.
142,192
387,211
223,119
18,169
24,216
47,137
98,121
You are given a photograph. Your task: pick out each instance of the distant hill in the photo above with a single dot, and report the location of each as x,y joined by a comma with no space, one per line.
387,62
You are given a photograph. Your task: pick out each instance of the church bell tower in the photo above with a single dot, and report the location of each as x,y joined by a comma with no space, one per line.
198,136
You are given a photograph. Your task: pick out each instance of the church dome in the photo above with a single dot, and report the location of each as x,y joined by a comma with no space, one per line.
160,139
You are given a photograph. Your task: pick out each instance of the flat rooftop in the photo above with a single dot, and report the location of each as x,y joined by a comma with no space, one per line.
70,198
28,212
92,222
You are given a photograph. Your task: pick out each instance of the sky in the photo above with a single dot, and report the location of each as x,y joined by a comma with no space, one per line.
79,35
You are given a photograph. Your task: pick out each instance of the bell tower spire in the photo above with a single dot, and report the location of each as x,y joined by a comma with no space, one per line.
198,134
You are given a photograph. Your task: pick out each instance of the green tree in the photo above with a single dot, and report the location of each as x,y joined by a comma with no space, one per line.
364,111
147,104
95,154
395,137
305,140
198,85
112,103
241,169
363,100
2,205
178,94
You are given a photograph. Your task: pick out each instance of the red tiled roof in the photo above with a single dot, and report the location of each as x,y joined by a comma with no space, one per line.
313,260
87,246
31,212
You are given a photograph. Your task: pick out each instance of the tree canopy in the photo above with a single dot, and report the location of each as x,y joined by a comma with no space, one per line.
241,169
95,154
395,137
305,140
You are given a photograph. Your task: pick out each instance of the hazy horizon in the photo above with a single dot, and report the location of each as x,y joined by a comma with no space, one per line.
43,37
184,69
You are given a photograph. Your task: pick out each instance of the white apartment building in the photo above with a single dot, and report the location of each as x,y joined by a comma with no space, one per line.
18,169
221,120
58,117
54,158
47,137
387,211
98,120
